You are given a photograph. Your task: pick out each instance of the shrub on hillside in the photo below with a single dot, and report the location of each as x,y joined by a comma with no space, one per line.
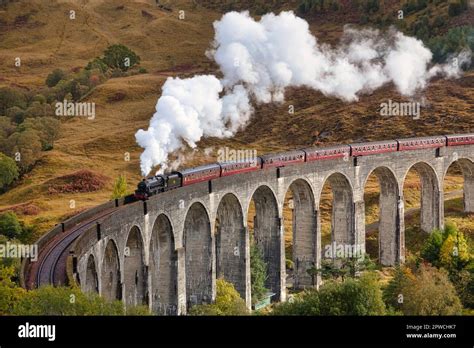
228,302
447,248
120,57
428,291
8,171
361,296
54,77
49,300
46,127
26,146
10,97
120,187
80,181
10,226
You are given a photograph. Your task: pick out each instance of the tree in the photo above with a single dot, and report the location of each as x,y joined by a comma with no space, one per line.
97,63
8,171
10,294
49,300
120,187
26,146
120,57
10,226
11,97
46,127
54,77
228,302
447,248
454,253
432,247
258,273
354,296
426,292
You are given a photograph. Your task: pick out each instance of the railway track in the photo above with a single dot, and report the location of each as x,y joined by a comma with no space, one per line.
50,268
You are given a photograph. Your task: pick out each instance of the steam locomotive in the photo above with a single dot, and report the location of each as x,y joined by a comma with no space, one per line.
165,182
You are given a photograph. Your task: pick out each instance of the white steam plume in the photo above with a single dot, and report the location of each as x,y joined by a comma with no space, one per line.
260,59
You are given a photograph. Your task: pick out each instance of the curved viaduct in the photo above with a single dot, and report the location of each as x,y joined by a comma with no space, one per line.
168,251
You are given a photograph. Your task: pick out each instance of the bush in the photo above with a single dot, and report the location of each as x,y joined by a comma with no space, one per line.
427,292
117,57
15,114
28,145
120,187
432,247
54,77
228,302
10,293
97,63
8,171
142,70
47,129
361,296
447,248
11,97
10,226
49,300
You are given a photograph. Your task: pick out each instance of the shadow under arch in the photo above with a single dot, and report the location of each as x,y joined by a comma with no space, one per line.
134,269
430,212
303,232
342,215
231,240
92,280
163,268
198,255
466,167
390,229
110,275
268,238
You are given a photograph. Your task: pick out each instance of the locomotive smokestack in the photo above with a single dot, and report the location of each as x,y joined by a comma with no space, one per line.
259,59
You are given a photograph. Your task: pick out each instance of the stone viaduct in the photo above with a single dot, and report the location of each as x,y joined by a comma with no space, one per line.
168,252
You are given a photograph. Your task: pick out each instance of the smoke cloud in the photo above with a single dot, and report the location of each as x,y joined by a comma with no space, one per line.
260,59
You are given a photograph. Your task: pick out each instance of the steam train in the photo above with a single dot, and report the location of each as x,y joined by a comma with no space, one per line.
165,182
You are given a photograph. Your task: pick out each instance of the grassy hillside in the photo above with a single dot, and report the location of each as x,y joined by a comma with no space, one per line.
44,37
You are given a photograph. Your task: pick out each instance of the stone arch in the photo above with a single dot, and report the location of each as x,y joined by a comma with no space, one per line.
134,269
304,232
198,255
163,268
430,212
467,169
231,241
342,217
110,275
390,228
267,236
92,281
